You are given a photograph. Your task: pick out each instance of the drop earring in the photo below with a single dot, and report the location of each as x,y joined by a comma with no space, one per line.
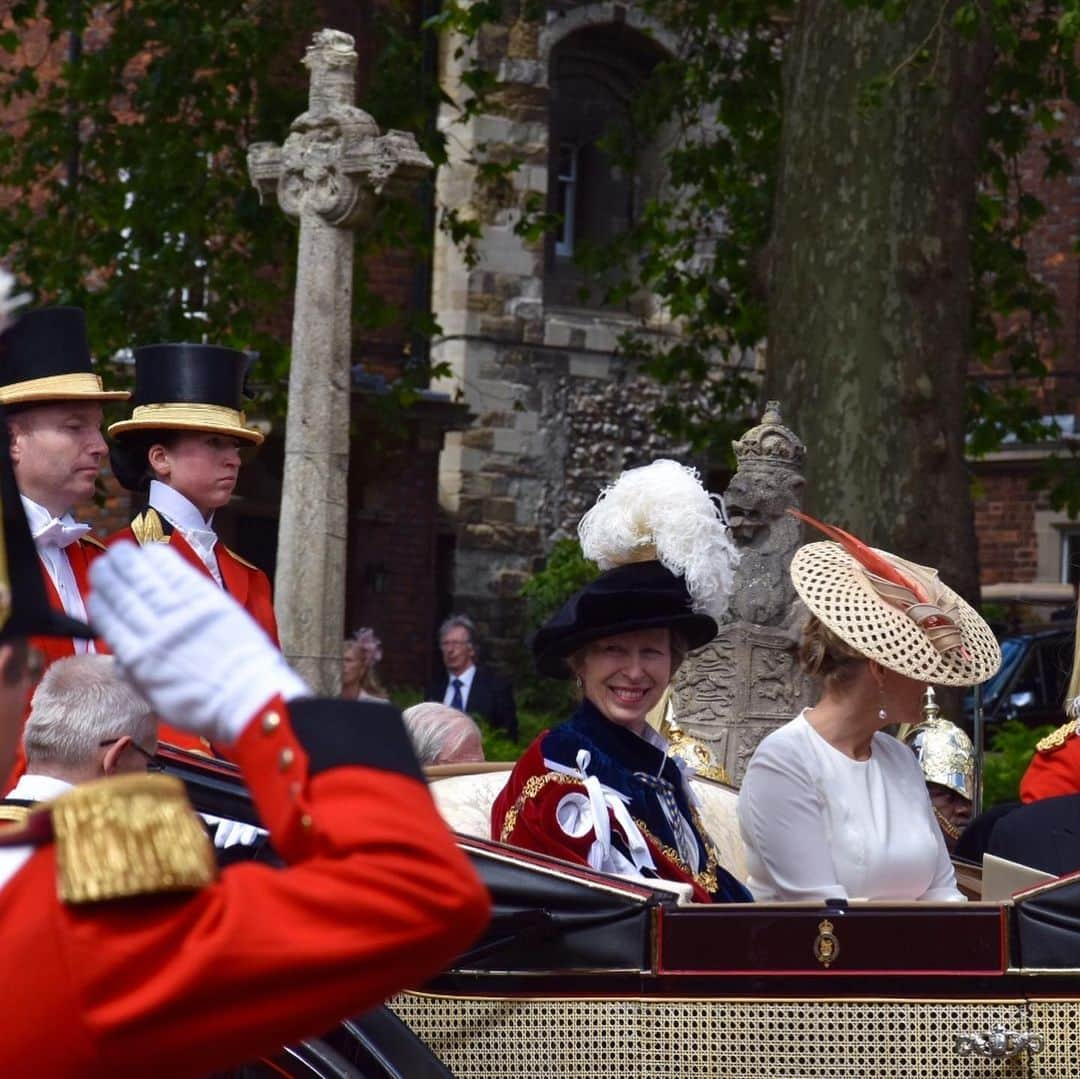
882,714
579,682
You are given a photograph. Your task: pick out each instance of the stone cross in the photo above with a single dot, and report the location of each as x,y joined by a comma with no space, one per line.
747,682
329,176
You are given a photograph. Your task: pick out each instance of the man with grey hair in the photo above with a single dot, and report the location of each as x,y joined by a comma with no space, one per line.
467,686
442,735
85,723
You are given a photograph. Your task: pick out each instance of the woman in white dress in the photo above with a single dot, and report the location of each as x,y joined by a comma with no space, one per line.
831,806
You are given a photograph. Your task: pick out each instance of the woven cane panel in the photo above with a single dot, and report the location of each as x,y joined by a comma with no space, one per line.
725,1039
830,583
1059,1024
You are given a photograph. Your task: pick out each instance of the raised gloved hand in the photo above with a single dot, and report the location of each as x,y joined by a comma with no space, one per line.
197,656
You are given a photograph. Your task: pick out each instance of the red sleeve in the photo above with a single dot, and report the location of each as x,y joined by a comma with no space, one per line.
260,605
1052,773
523,813
377,897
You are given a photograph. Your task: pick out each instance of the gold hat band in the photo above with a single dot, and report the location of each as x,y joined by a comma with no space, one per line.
183,415
60,388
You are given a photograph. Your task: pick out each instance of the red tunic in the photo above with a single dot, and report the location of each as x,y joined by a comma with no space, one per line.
377,897
247,584
80,555
1055,768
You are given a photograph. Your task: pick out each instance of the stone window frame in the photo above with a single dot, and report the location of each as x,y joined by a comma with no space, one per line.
560,277
1070,554
566,198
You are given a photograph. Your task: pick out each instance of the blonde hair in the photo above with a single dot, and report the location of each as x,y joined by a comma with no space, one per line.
822,654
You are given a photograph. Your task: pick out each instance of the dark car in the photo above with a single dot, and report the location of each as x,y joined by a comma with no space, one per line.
1031,684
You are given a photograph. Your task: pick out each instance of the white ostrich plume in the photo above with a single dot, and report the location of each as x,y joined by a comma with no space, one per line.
662,511
10,301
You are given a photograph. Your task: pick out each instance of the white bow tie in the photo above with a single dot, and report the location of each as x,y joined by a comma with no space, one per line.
59,533
202,539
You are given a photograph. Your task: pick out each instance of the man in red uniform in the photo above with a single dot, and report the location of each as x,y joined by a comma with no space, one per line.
53,400
1055,768
181,448
134,957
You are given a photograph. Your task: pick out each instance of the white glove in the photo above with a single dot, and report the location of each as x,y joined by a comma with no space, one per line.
232,833
197,656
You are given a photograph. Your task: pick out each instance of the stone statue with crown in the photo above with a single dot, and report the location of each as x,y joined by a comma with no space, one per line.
748,682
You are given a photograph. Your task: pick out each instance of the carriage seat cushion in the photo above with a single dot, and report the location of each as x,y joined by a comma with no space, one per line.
465,804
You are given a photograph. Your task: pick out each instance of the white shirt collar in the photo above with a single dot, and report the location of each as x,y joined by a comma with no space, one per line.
38,517
651,735
35,788
180,510
465,678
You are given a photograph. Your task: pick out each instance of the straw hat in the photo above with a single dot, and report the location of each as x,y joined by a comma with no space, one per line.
45,356
189,387
938,638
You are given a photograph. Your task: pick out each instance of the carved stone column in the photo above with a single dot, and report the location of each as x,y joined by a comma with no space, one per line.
747,682
329,176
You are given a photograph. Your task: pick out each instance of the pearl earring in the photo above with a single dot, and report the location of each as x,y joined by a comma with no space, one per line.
882,714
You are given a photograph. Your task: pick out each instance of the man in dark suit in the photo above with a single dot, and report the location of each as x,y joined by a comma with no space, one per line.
467,687
1044,835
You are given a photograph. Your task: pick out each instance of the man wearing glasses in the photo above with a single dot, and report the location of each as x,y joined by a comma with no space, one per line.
85,723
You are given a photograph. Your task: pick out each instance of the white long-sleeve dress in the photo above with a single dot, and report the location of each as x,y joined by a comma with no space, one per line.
819,825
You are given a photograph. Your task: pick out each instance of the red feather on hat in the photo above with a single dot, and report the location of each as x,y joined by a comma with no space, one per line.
876,564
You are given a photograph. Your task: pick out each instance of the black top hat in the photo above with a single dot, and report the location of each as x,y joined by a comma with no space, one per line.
25,610
185,387
640,595
45,356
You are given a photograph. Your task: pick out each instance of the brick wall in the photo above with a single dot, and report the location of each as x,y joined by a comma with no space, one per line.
393,577
1005,506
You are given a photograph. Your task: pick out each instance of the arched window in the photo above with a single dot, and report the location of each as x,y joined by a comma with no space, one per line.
594,77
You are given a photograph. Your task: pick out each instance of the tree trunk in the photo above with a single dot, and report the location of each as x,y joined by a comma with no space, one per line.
870,273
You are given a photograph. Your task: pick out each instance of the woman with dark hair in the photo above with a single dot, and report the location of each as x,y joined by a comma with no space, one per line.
601,789
181,447
831,806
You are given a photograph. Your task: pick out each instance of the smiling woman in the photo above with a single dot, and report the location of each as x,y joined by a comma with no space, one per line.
601,789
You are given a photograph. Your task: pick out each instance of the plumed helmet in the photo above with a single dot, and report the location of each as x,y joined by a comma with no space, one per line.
945,754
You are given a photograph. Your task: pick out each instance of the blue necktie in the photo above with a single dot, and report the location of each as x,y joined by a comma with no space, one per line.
455,700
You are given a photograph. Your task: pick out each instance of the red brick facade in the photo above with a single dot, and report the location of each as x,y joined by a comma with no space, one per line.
1020,536
1005,525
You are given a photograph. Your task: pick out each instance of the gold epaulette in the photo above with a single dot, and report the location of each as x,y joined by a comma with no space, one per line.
14,814
242,561
131,835
93,541
147,528
1056,739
